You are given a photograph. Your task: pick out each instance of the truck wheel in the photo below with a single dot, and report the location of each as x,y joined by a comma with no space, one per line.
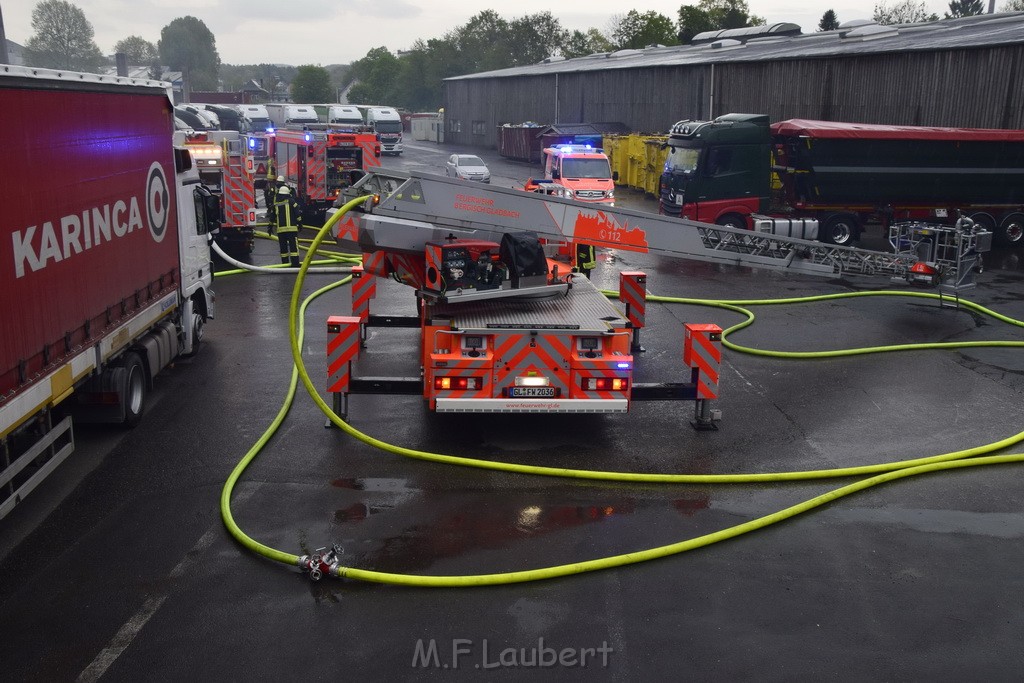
198,327
732,220
841,230
133,393
1011,230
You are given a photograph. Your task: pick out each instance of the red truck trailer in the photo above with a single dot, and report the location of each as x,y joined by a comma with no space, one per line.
844,175
104,260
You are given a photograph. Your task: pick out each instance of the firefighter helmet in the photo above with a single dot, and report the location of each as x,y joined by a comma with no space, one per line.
284,189
280,178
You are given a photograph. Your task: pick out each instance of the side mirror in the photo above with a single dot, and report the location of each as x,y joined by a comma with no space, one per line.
615,176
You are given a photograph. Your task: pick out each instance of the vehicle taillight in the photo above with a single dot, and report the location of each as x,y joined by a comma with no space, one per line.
458,383
605,384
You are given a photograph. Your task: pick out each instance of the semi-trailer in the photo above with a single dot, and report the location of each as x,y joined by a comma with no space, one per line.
105,271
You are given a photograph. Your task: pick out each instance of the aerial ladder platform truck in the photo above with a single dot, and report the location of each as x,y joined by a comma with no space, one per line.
509,325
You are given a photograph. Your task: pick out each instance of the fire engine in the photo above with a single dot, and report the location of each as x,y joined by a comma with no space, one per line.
317,164
507,326
223,165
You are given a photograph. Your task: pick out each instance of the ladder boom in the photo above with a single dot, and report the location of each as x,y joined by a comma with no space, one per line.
414,209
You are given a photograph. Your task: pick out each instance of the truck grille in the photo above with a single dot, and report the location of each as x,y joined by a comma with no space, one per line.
590,194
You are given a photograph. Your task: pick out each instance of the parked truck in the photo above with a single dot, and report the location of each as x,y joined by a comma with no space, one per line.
284,115
844,175
386,122
340,116
104,260
256,117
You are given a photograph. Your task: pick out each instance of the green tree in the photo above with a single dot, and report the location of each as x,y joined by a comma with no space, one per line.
580,44
63,38
138,50
534,37
312,84
187,45
711,15
483,42
635,30
903,12
828,22
964,8
1012,6
377,74
693,21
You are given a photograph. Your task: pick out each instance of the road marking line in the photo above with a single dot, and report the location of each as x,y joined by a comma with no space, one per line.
121,640
126,634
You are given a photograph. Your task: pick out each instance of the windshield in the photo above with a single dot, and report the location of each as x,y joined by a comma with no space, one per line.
259,124
469,161
387,126
682,160
586,168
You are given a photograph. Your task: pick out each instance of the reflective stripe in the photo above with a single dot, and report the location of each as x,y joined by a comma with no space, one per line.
342,348
705,355
503,405
519,354
364,288
633,294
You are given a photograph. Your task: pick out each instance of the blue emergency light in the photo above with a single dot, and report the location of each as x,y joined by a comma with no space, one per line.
308,137
252,143
622,366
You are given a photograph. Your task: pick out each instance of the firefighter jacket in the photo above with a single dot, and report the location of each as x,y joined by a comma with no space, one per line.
287,213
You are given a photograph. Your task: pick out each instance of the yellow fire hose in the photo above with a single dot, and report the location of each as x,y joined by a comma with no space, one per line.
881,473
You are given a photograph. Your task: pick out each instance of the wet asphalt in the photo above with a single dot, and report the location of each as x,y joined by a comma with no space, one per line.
120,568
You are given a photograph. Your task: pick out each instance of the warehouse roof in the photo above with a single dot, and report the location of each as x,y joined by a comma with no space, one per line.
851,38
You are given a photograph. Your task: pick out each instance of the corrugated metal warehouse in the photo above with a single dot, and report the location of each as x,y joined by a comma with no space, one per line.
965,72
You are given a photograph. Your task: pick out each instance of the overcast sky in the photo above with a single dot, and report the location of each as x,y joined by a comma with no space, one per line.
340,31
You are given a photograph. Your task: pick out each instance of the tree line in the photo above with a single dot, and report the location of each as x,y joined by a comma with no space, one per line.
63,38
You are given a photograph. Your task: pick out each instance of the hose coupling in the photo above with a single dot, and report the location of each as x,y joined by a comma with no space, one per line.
321,562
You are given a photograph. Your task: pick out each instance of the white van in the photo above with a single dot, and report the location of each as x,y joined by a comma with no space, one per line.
255,115
387,123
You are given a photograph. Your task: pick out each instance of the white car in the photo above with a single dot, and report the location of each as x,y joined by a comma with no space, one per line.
467,167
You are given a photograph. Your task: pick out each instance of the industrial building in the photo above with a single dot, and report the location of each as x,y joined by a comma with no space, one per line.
957,72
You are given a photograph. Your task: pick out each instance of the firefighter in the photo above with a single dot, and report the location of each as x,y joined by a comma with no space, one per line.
288,218
586,259
269,193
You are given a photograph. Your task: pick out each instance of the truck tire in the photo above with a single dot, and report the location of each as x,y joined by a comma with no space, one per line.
133,392
198,327
1010,232
732,220
841,229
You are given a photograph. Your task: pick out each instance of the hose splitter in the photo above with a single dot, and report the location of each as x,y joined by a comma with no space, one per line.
320,562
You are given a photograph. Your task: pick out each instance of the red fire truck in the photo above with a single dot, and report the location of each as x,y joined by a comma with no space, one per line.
507,326
318,164
222,164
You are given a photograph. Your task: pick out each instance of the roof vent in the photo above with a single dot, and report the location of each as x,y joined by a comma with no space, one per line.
726,44
855,23
625,53
870,32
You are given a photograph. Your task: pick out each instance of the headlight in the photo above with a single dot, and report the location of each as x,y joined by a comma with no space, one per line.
611,194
